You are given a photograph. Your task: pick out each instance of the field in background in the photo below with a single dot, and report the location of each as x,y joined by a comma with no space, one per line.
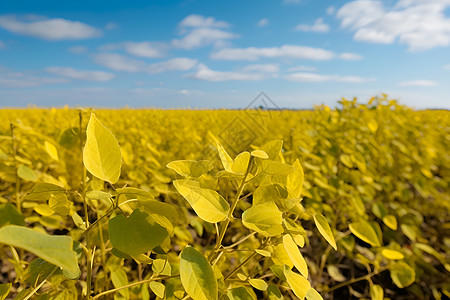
379,163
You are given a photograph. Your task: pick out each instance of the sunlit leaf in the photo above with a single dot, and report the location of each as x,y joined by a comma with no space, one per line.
208,204
324,229
295,255
392,254
51,150
101,155
263,218
197,275
190,168
299,284
376,292
364,231
258,284
312,294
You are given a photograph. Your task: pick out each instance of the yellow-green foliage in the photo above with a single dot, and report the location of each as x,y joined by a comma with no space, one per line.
222,204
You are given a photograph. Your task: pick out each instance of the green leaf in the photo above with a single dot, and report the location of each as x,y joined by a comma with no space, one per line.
376,292
402,274
312,294
241,293
40,269
101,155
54,249
190,168
364,231
274,292
299,284
26,173
258,284
324,229
4,290
197,275
295,255
295,179
207,204
9,215
43,191
157,288
136,234
263,218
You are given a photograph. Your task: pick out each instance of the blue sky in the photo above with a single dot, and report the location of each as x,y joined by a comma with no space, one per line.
191,53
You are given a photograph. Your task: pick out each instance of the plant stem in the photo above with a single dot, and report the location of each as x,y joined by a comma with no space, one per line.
230,212
354,280
17,185
240,265
131,285
40,285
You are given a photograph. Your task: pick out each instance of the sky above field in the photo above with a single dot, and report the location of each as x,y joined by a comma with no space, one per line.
192,53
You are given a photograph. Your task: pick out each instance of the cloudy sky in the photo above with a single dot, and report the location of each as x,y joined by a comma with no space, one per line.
196,53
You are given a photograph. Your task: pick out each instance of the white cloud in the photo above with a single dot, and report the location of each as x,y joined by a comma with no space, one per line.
206,74
49,29
119,62
263,22
187,92
425,83
80,75
447,67
2,45
200,31
174,64
419,24
318,26
78,49
268,68
330,10
140,49
350,56
111,26
285,51
201,21
302,69
146,49
314,77
200,37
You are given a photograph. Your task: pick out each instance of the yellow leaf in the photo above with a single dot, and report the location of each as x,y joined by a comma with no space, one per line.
101,155
51,150
295,255
324,229
299,284
392,254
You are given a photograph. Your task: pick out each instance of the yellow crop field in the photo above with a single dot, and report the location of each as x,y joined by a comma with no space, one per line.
350,202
